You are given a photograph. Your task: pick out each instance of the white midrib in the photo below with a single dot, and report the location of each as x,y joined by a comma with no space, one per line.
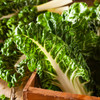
80,87
53,4
61,77
98,31
9,15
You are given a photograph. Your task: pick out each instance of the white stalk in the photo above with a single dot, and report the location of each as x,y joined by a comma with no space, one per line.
53,4
10,15
98,31
79,87
59,10
20,59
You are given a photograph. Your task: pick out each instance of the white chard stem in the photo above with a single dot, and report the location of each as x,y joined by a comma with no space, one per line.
9,15
59,10
53,4
98,31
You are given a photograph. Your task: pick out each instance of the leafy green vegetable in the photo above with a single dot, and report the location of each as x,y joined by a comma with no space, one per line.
78,27
24,13
7,7
80,32
11,72
65,48
9,48
11,6
13,75
53,22
86,35
30,2
2,97
20,11
54,60
3,29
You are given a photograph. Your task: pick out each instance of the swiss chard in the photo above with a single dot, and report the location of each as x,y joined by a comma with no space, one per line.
78,27
13,13
61,47
12,71
55,62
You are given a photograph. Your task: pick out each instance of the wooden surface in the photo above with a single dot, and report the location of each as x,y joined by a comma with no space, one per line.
4,89
30,83
32,93
89,2
19,93
43,94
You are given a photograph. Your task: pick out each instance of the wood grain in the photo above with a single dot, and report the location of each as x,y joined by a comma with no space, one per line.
43,94
30,82
4,89
32,93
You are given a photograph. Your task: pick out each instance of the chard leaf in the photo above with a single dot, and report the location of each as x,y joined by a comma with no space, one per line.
23,13
13,75
3,29
13,71
9,48
14,12
26,15
83,33
50,21
53,22
86,31
76,12
55,62
11,6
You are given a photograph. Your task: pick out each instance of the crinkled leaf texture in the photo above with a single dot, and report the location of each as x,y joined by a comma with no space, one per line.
13,75
13,71
11,6
22,12
79,28
55,62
